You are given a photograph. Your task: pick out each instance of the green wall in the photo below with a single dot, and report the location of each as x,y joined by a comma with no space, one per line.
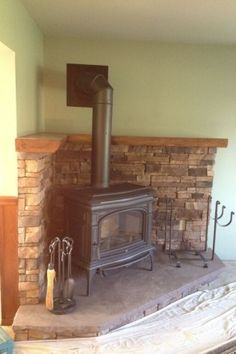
20,33
159,90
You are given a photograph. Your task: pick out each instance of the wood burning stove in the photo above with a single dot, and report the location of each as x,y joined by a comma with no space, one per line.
111,225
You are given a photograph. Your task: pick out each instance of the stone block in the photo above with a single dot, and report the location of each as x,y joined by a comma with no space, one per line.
212,150
32,155
128,168
196,205
119,157
188,214
197,172
22,191
20,164
31,264
21,271
34,208
178,149
210,173
63,167
144,179
31,301
195,157
179,157
26,286
151,309
167,179
164,158
22,298
29,182
207,162
64,334
204,184
85,167
184,195
21,264
41,334
198,196
138,148
21,203
174,170
121,148
32,293
34,165
34,199
21,235
33,234
32,271
21,172
137,157
152,167
29,220
22,277
122,177
28,252
21,335
31,212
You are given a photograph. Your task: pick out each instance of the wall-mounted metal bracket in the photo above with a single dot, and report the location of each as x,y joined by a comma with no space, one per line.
77,77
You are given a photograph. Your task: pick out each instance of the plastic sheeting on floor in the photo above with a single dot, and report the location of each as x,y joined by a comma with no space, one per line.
193,325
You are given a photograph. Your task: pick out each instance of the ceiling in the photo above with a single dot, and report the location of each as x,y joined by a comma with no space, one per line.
197,21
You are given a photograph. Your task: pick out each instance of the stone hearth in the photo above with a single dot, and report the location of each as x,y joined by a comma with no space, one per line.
119,298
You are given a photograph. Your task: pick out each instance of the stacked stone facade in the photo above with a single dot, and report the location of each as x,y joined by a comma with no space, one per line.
34,183
181,174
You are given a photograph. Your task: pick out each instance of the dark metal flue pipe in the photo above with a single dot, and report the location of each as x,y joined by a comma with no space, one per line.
101,131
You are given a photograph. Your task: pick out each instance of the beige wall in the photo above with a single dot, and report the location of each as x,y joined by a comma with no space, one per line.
20,33
159,90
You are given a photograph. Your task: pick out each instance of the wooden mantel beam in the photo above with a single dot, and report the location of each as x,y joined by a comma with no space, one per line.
49,143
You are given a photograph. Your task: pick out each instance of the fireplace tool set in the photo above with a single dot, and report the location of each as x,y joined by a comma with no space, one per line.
218,214
60,284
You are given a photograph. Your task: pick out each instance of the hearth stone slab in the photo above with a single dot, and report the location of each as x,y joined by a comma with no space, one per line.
119,298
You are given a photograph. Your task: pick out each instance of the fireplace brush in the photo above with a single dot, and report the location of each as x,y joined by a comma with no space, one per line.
62,283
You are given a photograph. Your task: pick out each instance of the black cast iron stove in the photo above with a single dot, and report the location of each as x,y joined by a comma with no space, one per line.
111,225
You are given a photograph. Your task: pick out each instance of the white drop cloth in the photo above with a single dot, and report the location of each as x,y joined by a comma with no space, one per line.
192,325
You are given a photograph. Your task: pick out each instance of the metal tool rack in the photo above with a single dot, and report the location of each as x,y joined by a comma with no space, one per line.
60,257
198,254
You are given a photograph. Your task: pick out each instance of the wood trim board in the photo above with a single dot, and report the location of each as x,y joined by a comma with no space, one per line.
8,258
50,143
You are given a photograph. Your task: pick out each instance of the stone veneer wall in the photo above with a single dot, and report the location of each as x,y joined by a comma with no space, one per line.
184,174
34,181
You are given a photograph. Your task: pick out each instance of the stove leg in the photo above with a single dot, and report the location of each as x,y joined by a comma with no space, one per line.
90,274
151,261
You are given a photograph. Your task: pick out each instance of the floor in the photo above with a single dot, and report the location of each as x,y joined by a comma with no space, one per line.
121,297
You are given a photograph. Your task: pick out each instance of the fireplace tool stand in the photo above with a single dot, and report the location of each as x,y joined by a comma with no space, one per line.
60,261
199,254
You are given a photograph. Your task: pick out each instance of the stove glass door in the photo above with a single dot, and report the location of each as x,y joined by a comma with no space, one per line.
121,229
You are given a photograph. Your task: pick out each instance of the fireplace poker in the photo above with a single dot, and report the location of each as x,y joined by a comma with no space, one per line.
68,287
